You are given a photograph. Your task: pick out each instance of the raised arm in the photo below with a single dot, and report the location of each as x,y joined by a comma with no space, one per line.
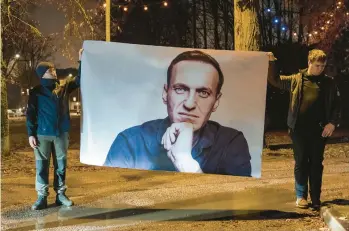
275,79
74,82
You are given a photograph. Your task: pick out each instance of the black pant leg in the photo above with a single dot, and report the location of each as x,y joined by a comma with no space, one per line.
316,158
301,157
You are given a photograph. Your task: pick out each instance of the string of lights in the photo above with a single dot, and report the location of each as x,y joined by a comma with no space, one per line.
327,19
335,9
125,6
338,6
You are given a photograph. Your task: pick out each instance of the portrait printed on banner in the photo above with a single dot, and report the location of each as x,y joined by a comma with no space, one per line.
186,140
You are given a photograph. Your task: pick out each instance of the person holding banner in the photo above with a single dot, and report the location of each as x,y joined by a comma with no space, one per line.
186,140
314,113
48,124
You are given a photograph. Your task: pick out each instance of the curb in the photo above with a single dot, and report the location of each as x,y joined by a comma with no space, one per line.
332,219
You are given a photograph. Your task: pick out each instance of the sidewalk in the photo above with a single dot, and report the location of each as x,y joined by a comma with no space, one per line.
336,216
142,200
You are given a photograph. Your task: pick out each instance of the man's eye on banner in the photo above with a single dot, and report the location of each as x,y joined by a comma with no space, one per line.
173,109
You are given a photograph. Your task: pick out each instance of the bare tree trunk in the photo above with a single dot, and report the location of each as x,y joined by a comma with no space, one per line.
284,14
263,27
270,27
215,23
231,12
291,8
5,134
205,22
277,6
226,25
300,29
246,25
194,23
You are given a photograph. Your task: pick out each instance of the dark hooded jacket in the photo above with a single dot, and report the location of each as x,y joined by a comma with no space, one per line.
48,106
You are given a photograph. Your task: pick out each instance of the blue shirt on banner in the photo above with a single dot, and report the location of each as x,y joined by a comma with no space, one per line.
219,150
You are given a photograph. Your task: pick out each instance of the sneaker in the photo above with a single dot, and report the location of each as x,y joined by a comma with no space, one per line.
62,199
40,203
302,203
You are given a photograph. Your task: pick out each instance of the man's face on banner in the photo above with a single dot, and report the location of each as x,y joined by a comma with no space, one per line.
192,93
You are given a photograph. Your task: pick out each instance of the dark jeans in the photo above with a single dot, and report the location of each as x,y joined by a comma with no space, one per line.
308,148
58,146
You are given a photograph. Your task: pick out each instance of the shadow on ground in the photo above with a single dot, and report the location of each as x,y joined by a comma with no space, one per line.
337,202
334,140
253,204
154,215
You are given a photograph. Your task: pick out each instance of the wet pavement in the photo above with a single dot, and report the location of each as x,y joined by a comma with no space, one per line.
121,199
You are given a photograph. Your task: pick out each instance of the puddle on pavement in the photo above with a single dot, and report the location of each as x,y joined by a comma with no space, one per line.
255,203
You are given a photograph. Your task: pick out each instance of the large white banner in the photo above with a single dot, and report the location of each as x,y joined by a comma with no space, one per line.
173,109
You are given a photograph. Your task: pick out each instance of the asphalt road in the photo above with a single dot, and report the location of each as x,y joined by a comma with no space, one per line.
142,200
122,199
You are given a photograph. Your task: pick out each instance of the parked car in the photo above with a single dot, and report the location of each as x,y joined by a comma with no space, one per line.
10,113
16,112
21,112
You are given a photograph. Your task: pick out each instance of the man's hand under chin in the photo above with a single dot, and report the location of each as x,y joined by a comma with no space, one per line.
178,140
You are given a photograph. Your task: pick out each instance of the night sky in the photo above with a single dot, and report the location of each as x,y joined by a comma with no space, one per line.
51,21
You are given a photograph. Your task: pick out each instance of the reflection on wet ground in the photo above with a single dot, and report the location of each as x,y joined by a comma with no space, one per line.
267,203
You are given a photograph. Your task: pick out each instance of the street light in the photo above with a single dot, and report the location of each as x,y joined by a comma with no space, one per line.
17,56
70,75
74,99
